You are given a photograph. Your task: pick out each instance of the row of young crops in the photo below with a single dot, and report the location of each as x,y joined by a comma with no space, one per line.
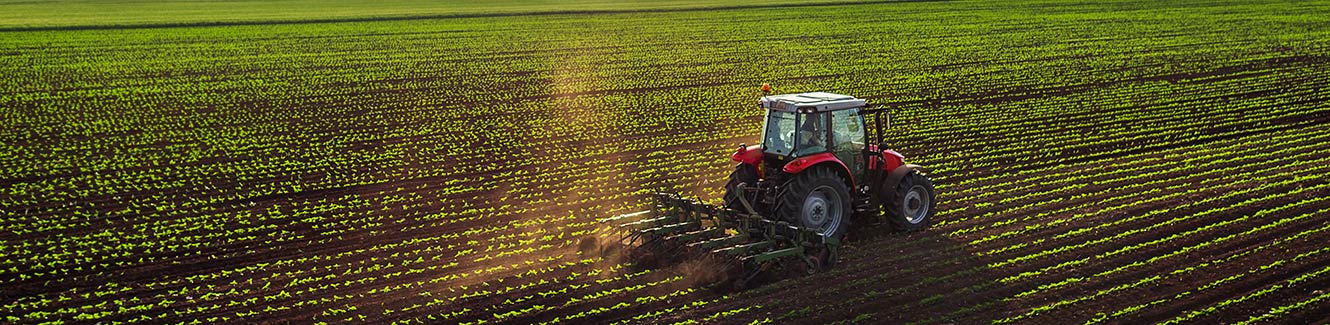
1132,161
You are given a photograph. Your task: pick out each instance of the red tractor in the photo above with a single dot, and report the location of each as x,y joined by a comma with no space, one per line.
815,168
792,198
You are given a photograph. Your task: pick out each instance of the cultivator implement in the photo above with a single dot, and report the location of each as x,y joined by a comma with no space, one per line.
747,244
803,196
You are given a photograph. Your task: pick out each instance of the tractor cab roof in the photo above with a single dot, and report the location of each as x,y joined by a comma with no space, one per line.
810,102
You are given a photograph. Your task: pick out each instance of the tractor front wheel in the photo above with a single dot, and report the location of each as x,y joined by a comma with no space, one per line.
818,200
913,205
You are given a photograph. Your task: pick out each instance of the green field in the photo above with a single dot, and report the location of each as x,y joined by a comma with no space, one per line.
423,162
91,14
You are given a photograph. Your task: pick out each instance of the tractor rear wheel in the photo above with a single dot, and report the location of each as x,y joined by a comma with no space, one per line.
743,174
912,206
818,200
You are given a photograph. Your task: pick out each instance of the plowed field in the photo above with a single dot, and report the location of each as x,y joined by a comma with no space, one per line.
1113,162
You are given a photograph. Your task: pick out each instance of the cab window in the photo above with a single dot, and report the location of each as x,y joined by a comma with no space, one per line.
847,130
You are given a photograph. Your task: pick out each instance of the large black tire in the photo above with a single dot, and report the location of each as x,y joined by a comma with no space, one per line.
817,199
743,174
912,206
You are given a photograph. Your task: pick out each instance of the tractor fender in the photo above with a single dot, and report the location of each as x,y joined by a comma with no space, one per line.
751,155
891,160
826,158
893,179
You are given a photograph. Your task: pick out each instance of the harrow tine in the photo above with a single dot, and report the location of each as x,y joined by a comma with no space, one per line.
720,242
672,228
751,273
695,235
775,255
629,216
648,223
745,248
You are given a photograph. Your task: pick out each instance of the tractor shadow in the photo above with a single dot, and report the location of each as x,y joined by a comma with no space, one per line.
894,277
887,277
924,275
881,277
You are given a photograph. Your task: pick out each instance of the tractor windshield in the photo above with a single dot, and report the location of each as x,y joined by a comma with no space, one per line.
778,135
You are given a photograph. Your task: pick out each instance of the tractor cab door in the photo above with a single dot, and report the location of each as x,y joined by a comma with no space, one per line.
848,140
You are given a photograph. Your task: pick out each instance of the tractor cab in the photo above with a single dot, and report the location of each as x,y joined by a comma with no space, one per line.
807,124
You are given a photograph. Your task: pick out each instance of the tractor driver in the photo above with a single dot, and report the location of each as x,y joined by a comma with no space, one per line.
812,138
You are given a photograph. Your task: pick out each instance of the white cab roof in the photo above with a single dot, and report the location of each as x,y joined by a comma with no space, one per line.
810,102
